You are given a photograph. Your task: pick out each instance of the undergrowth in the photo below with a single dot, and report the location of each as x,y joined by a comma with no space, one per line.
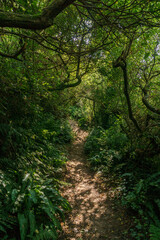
32,206
111,152
79,114
32,153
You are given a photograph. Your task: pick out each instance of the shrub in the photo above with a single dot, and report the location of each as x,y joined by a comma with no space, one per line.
100,139
31,153
30,204
93,144
143,196
79,113
105,148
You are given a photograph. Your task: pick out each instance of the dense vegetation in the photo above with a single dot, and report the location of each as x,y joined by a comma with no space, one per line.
31,139
97,62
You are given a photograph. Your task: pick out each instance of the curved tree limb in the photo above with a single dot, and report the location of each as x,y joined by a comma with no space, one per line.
35,21
69,85
147,104
78,76
152,74
121,62
16,54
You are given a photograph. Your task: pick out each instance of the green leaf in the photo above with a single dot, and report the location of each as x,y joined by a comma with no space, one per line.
14,195
23,225
33,195
32,223
2,229
154,232
146,56
139,186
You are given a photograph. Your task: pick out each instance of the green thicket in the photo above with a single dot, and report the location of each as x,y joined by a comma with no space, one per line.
32,133
118,148
97,61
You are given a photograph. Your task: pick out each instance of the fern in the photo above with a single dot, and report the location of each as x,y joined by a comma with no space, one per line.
154,232
30,204
33,204
7,223
45,234
32,223
23,225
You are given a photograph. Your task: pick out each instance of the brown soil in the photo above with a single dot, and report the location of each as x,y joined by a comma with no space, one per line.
94,215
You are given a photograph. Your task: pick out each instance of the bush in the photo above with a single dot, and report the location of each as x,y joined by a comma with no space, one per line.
79,114
110,151
105,148
93,143
31,205
100,139
143,197
154,232
55,130
31,154
25,144
106,160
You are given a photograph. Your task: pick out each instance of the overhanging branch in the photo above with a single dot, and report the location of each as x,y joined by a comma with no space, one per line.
35,21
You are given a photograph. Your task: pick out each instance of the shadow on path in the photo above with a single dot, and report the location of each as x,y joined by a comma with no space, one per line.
93,216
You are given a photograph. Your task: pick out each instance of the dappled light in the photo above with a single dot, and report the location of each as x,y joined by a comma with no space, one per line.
79,120
93,214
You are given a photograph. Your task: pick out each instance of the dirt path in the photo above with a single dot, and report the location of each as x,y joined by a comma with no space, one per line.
93,216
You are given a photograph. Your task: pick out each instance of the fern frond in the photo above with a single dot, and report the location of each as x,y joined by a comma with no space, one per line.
154,232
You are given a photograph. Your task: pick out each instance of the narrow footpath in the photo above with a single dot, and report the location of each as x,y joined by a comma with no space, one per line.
93,215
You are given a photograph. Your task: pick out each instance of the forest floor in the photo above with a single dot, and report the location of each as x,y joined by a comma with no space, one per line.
94,214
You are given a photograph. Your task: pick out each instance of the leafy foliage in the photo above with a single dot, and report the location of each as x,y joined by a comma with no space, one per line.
110,151
122,108
105,147
31,205
32,153
79,113
154,232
